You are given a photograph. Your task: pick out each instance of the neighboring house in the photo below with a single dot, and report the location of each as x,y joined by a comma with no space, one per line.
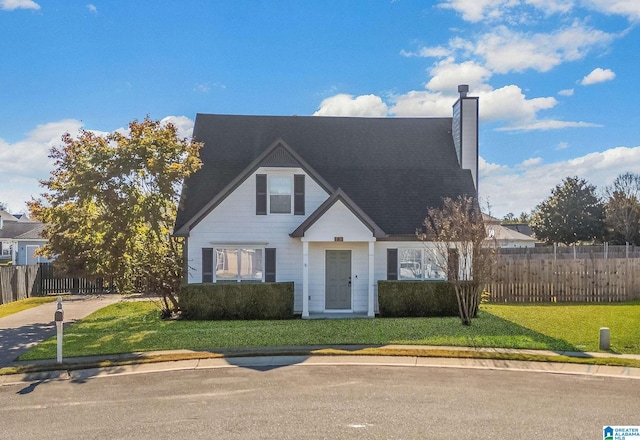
522,228
504,236
330,203
19,239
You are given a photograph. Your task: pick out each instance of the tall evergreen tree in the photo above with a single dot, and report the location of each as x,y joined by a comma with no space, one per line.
573,213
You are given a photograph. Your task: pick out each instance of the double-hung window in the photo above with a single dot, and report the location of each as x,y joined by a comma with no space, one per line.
280,193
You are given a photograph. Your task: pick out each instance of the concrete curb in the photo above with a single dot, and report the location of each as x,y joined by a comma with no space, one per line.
82,369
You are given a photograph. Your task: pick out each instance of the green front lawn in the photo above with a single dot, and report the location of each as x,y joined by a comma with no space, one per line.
579,324
136,327
19,306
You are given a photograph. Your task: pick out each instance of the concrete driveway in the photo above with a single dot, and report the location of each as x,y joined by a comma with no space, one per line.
23,330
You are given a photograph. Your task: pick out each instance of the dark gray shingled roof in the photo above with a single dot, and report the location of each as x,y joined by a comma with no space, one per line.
392,168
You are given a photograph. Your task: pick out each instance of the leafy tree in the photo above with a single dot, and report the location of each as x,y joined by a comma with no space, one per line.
627,184
459,240
111,203
571,214
622,209
622,218
510,218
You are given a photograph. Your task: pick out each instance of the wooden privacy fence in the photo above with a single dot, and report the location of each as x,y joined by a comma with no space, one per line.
595,251
18,282
565,280
51,283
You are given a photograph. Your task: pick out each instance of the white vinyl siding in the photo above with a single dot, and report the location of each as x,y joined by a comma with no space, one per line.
234,223
340,222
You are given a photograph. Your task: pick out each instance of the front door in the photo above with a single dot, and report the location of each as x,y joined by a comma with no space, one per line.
32,258
338,280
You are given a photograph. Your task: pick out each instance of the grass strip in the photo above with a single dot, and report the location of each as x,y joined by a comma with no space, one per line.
24,304
142,358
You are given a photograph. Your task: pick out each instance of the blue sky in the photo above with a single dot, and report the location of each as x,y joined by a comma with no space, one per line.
557,79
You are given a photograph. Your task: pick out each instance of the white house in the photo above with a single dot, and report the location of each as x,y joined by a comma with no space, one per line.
330,203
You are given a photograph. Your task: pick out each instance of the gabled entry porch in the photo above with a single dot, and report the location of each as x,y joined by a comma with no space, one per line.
338,255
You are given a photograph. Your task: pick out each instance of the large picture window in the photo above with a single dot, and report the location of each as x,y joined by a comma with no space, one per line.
418,264
239,264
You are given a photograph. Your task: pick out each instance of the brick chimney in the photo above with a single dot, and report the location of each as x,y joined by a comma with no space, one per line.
465,131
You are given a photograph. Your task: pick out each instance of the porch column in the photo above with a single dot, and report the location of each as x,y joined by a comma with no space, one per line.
371,309
305,279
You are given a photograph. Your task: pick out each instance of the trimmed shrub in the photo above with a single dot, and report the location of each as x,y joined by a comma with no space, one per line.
416,299
222,301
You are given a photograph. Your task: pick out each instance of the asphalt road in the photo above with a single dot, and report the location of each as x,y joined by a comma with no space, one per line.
321,402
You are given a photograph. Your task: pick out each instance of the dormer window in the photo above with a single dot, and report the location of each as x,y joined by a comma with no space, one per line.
280,193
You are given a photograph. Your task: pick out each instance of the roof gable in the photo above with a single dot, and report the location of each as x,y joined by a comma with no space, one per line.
278,154
338,196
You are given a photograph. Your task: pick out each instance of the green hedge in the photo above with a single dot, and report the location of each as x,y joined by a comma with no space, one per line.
237,301
416,299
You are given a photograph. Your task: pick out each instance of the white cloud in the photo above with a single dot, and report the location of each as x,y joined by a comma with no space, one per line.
10,5
512,10
566,92
428,52
505,50
26,162
347,105
511,105
520,188
598,75
184,125
627,8
507,104
202,88
446,75
477,10
562,146
422,103
549,124
532,162
552,6
92,8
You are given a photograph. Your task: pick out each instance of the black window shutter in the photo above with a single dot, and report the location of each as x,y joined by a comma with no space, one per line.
270,265
392,264
261,194
207,265
298,194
